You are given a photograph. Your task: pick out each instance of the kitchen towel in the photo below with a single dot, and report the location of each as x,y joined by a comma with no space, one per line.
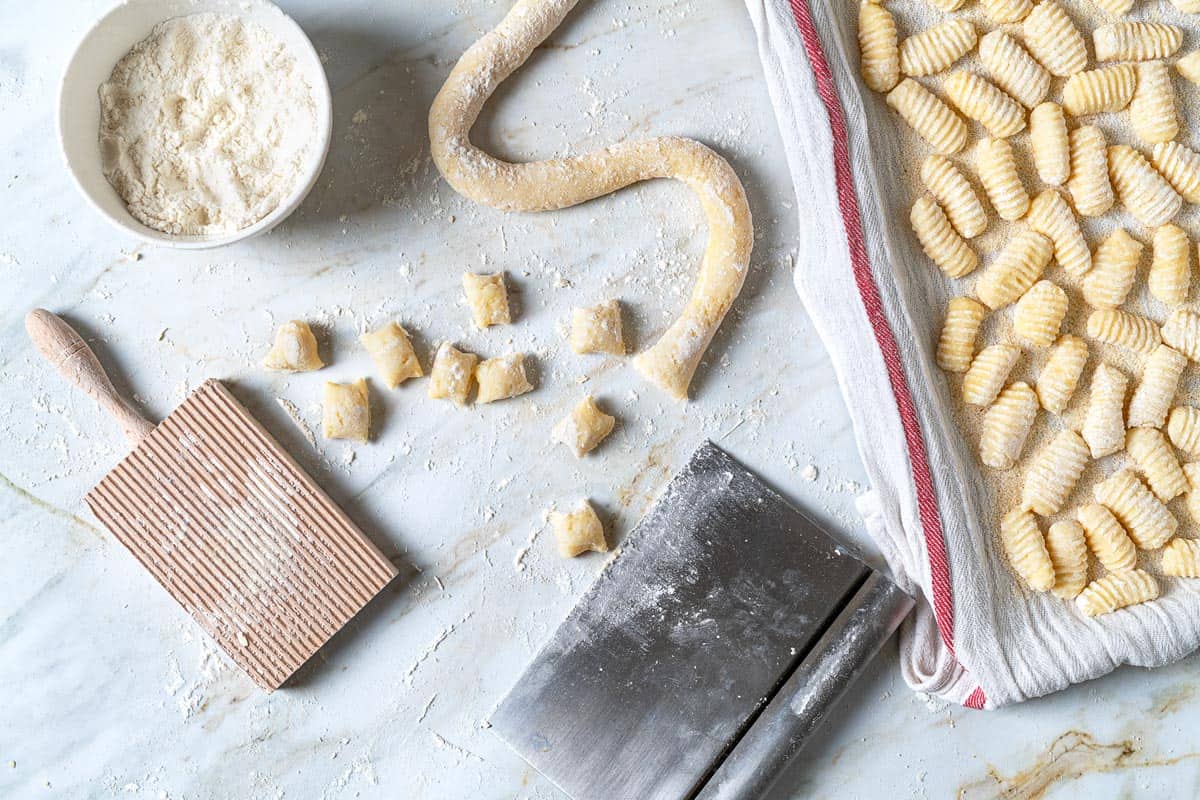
978,637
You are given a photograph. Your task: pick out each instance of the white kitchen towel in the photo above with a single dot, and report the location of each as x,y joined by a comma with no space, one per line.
978,638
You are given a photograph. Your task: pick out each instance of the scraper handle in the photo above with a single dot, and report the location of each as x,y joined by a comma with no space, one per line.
832,666
69,353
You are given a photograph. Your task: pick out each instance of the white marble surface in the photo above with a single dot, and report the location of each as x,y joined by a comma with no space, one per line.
108,690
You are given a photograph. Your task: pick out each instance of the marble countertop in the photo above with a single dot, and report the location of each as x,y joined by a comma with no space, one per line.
108,690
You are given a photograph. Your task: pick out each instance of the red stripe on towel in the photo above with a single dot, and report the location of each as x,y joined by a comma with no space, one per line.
927,504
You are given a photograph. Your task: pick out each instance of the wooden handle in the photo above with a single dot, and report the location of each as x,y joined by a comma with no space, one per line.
68,352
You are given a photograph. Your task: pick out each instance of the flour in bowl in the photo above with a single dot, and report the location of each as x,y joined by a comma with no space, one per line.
206,125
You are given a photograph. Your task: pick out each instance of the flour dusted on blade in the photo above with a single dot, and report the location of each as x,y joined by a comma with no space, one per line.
205,125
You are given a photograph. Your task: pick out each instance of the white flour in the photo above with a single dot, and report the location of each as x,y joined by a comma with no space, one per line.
205,125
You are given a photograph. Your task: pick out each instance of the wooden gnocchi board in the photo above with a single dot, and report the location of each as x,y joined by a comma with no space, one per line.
226,521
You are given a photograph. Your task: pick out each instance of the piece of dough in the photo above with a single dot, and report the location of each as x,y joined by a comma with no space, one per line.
562,182
393,354
501,378
452,373
347,411
597,329
579,531
488,299
295,349
584,428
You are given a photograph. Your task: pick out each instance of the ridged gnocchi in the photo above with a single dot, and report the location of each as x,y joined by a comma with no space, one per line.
935,49
1050,215
1117,590
1053,473
1039,314
1125,329
929,117
978,99
1006,426
1105,537
1148,522
988,373
1104,425
1180,166
956,345
1170,276
1090,189
1181,558
1001,181
879,47
1142,190
1155,392
1152,110
1136,41
1013,69
1016,268
955,195
1060,374
1183,429
1182,331
1050,142
1067,548
1025,549
1054,40
1153,456
1114,269
940,241
1097,90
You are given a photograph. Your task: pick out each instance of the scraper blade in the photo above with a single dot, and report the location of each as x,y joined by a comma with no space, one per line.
679,644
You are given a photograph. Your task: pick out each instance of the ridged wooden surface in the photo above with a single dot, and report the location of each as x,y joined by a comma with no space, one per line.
240,536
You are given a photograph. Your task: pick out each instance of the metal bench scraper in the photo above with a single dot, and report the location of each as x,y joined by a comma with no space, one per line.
701,659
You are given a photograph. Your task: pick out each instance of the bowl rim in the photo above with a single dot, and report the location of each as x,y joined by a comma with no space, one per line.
322,99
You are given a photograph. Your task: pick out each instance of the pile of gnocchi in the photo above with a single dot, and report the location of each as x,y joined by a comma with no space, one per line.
1085,163
346,412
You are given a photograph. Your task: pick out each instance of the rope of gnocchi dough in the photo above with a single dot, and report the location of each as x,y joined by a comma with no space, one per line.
562,182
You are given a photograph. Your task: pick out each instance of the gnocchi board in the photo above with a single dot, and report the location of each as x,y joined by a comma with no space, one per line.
226,521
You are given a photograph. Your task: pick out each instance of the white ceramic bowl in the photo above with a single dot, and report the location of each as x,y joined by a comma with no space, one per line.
111,38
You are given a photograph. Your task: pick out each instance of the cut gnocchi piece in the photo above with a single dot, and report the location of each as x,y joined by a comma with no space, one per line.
1050,142
955,195
1117,590
1183,428
978,99
1057,381
452,374
1025,550
1182,331
1152,110
294,350
1153,456
1090,189
1180,166
1050,216
1114,269
1125,329
1170,276
1136,41
1189,66
392,353
579,531
1104,425
1143,191
584,428
1054,40
929,117
1181,558
1098,90
1107,540
879,47
1039,314
597,329
1004,11
988,373
1192,500
1013,69
935,49
940,241
1054,472
488,299
1006,426
1156,391
501,378
346,411
956,345
1066,545
1017,267
998,173
1143,515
